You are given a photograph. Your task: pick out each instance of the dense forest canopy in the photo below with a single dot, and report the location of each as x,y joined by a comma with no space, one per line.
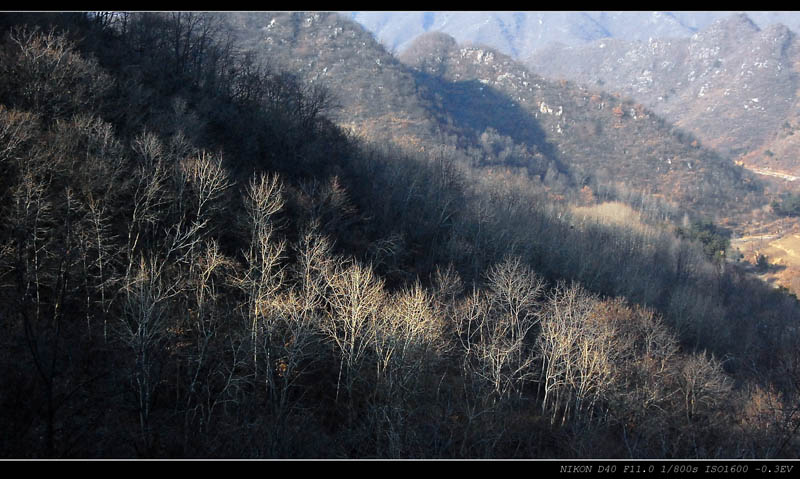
196,261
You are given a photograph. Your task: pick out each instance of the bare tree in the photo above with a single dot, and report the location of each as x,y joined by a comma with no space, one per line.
703,385
313,268
16,128
576,348
642,389
48,76
409,336
515,291
142,329
150,195
495,329
208,181
210,355
98,256
263,276
32,220
409,343
765,422
355,299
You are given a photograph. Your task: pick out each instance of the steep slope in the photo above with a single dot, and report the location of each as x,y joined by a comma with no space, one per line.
732,84
600,136
166,292
779,153
375,94
490,109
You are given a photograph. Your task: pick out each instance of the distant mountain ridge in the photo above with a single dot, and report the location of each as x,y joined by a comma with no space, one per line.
518,34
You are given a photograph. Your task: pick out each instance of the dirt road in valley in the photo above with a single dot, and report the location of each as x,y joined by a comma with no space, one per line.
777,174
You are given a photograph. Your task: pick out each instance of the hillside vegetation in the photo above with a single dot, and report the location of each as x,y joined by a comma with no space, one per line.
488,110
732,84
603,139
197,261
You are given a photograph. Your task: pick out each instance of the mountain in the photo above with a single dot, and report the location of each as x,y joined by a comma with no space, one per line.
518,34
599,136
439,93
732,84
371,90
196,262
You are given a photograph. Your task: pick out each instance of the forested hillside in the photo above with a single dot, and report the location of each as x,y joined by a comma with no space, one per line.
488,110
197,260
603,139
